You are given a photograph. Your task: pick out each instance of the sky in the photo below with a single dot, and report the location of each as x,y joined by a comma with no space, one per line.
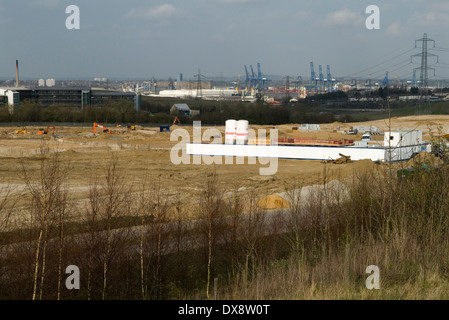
141,39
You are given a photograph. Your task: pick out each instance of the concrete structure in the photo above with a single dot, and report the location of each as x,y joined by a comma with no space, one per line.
397,146
11,96
305,153
402,138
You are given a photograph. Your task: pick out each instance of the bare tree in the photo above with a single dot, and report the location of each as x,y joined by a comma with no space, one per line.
158,233
7,204
114,203
211,211
61,219
153,208
253,228
91,238
109,202
47,197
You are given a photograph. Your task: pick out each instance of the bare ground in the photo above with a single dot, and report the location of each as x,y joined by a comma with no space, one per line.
146,152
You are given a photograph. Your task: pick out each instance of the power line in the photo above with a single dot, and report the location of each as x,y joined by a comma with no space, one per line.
383,69
405,65
441,49
384,62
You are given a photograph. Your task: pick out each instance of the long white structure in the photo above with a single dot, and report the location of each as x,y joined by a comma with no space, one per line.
305,152
183,93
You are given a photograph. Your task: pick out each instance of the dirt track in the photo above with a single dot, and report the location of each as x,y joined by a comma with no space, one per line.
148,150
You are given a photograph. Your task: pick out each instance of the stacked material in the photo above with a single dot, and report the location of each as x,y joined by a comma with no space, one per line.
315,142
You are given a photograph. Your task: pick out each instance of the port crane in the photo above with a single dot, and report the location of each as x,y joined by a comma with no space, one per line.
330,80
261,78
385,80
248,79
313,76
253,78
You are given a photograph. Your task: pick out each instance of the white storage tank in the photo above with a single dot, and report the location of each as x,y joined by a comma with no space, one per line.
242,132
230,135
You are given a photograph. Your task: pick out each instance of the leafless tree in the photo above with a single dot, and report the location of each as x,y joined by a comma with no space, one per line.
114,203
211,211
47,197
153,208
7,203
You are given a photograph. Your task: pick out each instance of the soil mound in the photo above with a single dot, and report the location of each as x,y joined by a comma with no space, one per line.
274,202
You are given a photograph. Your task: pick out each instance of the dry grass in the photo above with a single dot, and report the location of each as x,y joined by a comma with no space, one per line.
401,227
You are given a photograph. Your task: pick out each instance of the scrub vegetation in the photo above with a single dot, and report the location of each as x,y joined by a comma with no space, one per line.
133,241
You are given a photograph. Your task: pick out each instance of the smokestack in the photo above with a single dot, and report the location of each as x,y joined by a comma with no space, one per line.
17,73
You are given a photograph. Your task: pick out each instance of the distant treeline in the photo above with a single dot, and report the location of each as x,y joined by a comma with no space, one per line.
154,111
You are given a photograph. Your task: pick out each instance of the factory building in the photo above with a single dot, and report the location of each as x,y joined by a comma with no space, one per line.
75,96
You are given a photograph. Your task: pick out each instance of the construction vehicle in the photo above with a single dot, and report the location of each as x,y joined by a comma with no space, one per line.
366,137
176,120
106,130
20,131
42,131
131,127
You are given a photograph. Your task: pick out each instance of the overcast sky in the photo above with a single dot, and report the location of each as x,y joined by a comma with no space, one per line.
142,39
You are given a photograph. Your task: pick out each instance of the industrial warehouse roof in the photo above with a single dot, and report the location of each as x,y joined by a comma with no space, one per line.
65,88
182,107
46,88
112,93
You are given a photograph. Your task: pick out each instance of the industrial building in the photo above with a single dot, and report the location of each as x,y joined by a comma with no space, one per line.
75,96
180,108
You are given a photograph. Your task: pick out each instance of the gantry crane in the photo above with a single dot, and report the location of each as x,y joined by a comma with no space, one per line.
313,76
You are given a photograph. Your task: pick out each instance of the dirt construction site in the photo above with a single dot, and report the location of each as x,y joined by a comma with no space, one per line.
145,151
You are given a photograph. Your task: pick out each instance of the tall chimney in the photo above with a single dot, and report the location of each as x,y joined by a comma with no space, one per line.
17,73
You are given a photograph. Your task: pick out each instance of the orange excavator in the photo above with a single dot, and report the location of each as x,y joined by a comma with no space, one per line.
45,131
176,120
106,130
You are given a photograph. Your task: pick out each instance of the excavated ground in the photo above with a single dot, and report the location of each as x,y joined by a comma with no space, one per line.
146,152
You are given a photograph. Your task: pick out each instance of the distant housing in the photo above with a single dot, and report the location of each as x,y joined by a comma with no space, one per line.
75,96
